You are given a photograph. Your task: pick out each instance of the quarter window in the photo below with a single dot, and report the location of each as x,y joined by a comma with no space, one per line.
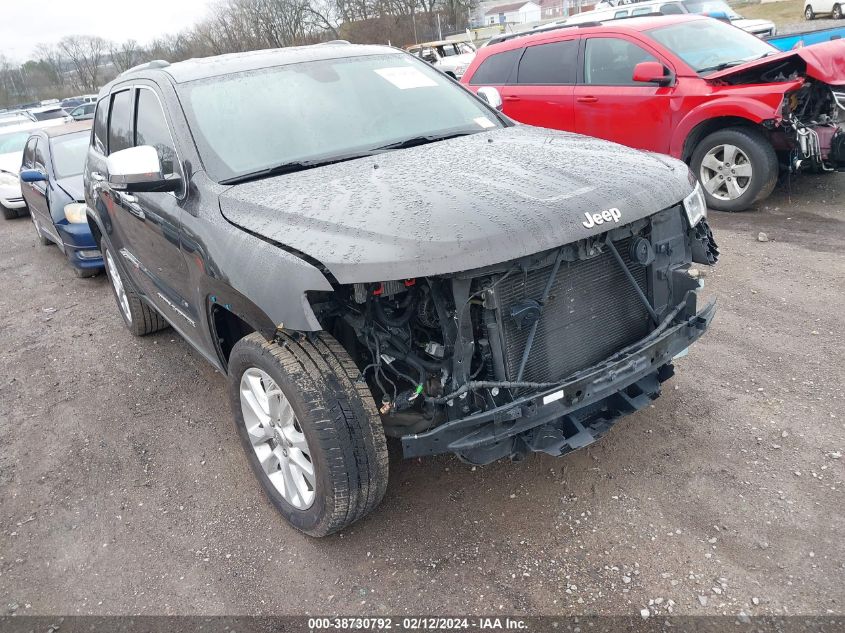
151,129
100,136
29,152
120,120
609,61
496,69
549,64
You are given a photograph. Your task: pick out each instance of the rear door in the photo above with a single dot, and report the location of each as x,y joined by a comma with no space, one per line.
609,104
542,92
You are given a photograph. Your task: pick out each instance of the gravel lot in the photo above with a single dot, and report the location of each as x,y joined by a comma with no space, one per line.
124,488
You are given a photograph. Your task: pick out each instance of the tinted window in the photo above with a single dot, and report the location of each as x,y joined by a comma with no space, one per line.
50,114
119,122
69,153
29,152
496,69
101,126
547,64
151,129
609,61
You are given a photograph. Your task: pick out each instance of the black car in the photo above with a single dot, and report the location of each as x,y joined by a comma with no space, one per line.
51,184
367,249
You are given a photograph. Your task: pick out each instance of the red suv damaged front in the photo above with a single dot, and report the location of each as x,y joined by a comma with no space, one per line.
732,106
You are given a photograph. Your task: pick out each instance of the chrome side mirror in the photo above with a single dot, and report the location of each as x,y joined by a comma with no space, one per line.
138,169
491,96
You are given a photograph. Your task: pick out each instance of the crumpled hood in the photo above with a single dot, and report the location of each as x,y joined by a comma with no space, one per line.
825,62
455,205
453,62
11,162
73,186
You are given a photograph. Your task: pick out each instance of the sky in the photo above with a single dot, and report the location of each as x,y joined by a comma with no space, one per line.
24,25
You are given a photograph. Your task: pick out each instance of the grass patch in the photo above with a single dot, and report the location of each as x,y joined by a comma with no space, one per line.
781,13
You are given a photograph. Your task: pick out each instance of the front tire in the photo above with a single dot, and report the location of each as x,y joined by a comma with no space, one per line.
310,429
836,14
138,317
808,13
9,214
736,167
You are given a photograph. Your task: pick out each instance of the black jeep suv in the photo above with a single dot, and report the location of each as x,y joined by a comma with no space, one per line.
366,249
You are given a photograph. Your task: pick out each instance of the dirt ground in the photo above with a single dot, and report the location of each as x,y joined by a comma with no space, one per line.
125,490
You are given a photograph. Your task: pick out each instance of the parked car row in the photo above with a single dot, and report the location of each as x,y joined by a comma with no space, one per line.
734,108
271,208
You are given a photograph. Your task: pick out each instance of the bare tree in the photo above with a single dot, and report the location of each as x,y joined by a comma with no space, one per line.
125,55
86,55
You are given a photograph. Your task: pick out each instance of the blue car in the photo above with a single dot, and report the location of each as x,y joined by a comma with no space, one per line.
51,183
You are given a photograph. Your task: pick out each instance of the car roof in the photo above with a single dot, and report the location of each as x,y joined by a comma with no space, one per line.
636,24
204,67
435,43
67,128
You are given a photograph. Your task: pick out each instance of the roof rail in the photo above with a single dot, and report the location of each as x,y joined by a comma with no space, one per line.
510,36
156,63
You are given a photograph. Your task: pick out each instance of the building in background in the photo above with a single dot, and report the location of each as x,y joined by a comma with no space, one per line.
514,13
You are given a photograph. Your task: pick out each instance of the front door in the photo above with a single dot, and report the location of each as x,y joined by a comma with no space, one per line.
609,104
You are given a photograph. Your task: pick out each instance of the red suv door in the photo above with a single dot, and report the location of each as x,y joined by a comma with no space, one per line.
541,91
609,104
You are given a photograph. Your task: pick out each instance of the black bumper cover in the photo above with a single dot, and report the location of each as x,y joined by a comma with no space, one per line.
579,410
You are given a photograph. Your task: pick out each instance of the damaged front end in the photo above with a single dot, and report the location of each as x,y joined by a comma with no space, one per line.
542,353
814,123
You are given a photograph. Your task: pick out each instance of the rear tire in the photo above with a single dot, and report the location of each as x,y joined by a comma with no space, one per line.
808,13
334,418
722,160
138,317
836,14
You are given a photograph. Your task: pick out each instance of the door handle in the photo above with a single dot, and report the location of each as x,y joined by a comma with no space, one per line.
511,98
587,99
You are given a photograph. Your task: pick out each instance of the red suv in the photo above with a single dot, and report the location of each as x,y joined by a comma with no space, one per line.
729,104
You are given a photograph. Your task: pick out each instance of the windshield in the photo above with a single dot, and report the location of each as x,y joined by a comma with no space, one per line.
13,142
711,6
49,114
711,45
324,110
69,153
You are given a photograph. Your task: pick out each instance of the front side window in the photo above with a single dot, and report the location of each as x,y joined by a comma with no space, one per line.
69,153
40,156
328,109
496,69
120,120
549,64
711,45
610,61
151,129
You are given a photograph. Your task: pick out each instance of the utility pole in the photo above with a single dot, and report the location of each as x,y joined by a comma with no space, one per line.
439,28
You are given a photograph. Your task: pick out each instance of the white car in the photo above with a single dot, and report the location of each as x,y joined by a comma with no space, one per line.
716,8
12,141
453,58
51,112
812,8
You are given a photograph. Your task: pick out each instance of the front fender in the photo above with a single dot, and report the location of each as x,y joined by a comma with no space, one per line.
756,109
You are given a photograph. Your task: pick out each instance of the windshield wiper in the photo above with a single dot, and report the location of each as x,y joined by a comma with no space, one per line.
421,140
721,66
288,168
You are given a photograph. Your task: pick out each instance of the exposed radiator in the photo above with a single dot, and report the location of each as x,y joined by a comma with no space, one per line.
592,312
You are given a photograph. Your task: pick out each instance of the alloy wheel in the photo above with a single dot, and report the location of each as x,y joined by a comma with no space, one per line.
726,172
277,438
117,284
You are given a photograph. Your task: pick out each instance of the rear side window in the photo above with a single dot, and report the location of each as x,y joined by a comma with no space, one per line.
610,61
120,120
496,69
101,119
672,8
619,14
549,64
151,129
642,11
29,152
